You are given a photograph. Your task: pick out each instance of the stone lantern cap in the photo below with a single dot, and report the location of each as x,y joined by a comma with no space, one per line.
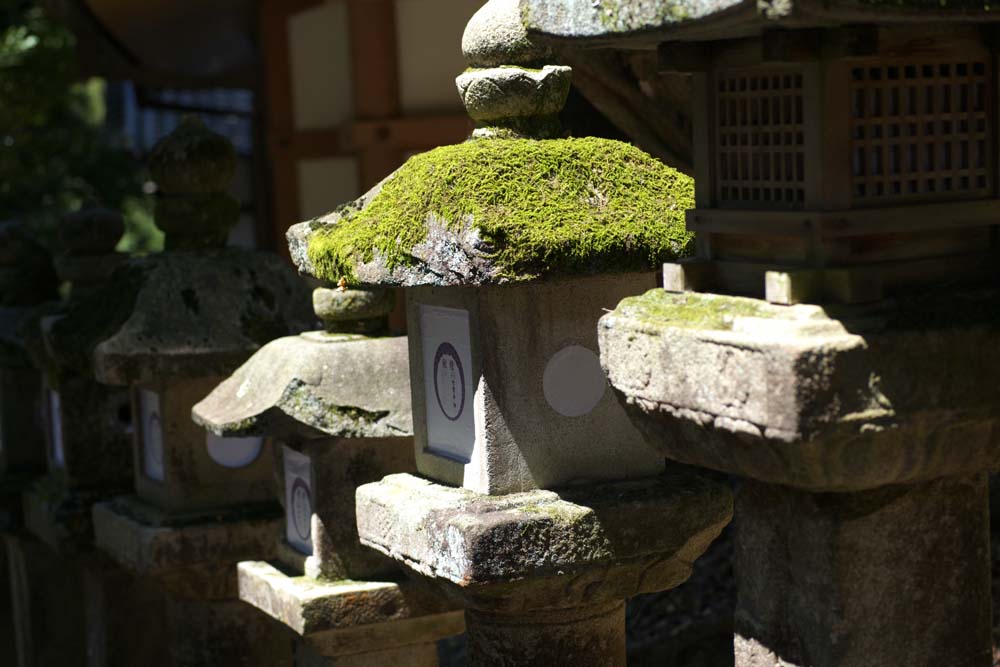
616,22
197,310
182,315
825,399
514,203
319,383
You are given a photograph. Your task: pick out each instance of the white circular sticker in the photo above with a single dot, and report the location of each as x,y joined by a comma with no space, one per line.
573,381
233,452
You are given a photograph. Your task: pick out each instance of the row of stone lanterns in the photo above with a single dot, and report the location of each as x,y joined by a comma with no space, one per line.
479,473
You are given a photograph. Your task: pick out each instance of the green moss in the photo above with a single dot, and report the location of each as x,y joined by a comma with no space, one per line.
702,311
544,206
618,16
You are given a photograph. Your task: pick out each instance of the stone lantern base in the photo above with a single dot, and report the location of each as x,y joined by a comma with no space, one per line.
543,575
61,518
191,559
352,622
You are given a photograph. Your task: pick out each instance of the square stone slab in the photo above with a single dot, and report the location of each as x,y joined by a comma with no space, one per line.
348,616
579,546
151,542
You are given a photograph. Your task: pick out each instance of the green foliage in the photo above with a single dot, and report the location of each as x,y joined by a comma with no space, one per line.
54,155
562,206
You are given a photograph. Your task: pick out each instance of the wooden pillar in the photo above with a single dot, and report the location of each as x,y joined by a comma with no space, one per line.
375,80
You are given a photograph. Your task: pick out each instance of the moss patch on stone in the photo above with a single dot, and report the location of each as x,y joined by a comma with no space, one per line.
563,206
696,311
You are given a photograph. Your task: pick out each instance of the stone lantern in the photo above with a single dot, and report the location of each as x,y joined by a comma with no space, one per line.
85,428
27,280
510,245
846,158
88,424
336,404
175,325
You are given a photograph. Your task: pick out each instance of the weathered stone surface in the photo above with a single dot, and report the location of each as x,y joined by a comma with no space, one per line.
512,92
586,635
495,36
225,632
95,424
311,607
313,385
151,542
115,601
353,310
192,159
187,315
895,576
59,517
339,466
518,440
542,549
644,23
850,400
192,167
412,655
192,479
48,611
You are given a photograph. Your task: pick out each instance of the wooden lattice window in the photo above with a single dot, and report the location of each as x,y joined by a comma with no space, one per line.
921,131
760,144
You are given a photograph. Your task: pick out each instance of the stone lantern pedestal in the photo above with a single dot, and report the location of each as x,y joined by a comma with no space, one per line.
864,436
532,508
192,315
337,405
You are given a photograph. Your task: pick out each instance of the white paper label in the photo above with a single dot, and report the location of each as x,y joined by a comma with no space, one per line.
233,452
152,435
573,381
298,500
55,425
448,385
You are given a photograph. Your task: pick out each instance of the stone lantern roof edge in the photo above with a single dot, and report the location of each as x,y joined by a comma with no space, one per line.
644,24
308,387
184,315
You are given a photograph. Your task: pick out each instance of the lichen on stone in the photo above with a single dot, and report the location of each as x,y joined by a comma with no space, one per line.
694,310
537,208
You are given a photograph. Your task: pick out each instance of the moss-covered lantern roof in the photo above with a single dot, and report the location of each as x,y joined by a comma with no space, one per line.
514,203
502,210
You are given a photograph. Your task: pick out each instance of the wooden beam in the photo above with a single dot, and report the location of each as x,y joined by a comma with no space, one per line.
278,120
